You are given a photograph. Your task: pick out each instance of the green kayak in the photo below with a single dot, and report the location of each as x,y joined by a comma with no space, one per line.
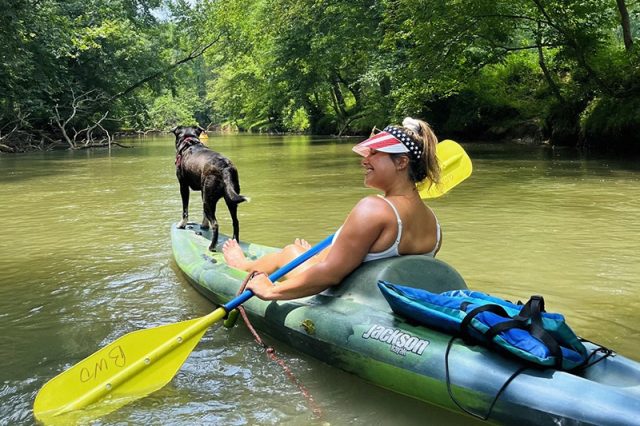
352,327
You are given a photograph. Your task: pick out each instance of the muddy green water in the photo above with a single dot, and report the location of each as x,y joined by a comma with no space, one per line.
85,257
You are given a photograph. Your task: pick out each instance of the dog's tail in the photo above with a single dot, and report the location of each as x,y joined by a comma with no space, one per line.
232,187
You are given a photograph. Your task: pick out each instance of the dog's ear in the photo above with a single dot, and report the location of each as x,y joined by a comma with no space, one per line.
199,130
175,130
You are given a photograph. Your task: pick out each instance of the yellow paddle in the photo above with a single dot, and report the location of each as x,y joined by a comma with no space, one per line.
137,363
455,167
143,361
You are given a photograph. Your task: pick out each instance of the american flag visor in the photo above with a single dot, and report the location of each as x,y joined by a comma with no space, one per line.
383,141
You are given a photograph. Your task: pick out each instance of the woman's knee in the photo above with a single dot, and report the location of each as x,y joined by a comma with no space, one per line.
292,251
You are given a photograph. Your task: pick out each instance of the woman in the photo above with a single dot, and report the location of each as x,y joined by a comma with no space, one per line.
399,223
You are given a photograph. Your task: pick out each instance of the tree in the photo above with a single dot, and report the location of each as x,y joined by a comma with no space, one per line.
58,51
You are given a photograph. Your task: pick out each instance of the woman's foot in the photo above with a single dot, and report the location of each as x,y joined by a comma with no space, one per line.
233,255
302,243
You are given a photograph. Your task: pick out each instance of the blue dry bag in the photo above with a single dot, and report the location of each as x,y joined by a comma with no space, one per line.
526,331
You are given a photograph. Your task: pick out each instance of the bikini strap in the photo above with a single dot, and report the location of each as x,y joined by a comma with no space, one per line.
395,210
438,235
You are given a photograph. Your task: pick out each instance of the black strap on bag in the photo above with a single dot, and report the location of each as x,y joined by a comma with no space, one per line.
532,309
465,324
529,319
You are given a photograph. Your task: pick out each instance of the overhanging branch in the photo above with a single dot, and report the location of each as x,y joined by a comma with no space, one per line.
193,55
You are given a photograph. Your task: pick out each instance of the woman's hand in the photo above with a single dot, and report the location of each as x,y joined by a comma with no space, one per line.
261,286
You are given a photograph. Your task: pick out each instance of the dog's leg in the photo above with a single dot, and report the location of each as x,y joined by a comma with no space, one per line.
210,213
209,201
205,223
184,194
205,220
233,211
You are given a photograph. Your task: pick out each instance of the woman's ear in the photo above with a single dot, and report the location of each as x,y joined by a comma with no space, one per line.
402,162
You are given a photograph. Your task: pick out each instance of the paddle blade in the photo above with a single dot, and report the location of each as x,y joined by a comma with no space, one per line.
129,368
455,167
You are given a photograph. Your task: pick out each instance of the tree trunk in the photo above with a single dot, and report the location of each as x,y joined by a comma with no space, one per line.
338,97
626,25
385,86
580,54
315,112
543,66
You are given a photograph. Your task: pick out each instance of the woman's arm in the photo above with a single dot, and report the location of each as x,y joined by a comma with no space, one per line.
360,231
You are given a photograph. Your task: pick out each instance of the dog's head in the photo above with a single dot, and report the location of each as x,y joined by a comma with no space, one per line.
186,132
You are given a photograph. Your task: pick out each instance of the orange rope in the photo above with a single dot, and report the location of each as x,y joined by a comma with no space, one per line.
271,352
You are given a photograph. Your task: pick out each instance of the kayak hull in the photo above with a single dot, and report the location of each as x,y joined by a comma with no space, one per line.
351,327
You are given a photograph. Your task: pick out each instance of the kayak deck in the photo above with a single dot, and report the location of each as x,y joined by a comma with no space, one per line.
352,327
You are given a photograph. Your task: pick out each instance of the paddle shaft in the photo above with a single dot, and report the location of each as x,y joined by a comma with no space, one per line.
248,294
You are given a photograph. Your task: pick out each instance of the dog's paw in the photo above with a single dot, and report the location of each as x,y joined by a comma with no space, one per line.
182,224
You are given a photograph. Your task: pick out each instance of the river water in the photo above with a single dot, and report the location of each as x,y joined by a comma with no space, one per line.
85,257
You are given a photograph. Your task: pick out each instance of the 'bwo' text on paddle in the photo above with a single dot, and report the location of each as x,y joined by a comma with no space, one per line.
114,358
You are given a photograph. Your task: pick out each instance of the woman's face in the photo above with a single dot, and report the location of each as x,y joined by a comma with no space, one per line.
379,169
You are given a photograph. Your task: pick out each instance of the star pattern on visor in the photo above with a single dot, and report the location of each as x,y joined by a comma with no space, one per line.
406,140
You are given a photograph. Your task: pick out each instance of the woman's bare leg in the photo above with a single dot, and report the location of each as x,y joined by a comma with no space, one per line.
268,263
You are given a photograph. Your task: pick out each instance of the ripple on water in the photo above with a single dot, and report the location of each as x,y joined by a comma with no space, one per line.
88,259
16,409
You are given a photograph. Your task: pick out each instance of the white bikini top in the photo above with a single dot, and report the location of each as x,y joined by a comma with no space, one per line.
392,251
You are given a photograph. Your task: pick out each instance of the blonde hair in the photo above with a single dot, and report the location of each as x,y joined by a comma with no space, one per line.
427,166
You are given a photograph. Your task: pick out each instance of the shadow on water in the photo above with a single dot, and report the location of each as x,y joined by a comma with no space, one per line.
526,152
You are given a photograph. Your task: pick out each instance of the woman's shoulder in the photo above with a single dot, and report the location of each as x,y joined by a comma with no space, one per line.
370,203
371,210
367,206
367,218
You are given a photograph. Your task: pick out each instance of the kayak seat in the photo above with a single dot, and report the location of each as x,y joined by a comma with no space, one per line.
423,272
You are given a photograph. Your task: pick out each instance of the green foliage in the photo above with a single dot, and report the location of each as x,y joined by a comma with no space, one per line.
499,97
612,123
515,83
295,119
168,111
482,68
66,61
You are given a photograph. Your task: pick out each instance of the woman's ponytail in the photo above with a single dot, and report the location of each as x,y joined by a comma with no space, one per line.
427,166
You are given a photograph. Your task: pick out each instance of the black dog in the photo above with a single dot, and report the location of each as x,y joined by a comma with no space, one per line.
202,169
